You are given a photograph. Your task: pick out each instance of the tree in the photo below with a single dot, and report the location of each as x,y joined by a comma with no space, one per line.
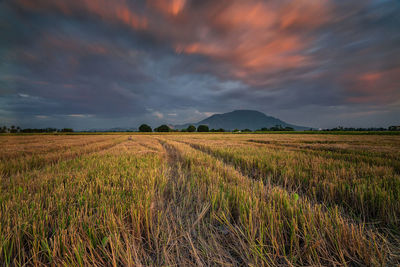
67,130
246,130
163,128
276,128
191,128
144,128
203,128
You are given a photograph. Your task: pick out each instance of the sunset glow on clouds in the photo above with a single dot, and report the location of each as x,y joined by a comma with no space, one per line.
307,62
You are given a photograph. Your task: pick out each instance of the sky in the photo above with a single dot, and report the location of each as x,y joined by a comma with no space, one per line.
118,63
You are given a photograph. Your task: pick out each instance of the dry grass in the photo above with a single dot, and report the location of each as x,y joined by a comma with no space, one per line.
364,184
184,200
38,151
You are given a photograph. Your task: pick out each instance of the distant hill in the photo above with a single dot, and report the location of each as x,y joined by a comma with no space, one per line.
242,119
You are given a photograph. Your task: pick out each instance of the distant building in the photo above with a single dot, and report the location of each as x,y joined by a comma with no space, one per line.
394,128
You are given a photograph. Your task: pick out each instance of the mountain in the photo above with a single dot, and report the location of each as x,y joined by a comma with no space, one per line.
242,119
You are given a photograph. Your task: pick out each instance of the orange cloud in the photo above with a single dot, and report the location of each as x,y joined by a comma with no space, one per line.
250,38
255,37
168,7
304,13
370,77
252,14
377,86
283,52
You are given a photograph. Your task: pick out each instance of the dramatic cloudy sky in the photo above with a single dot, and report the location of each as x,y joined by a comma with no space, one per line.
118,63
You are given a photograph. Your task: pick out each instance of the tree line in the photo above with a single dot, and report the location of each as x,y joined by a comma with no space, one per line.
352,129
205,128
165,128
190,129
17,129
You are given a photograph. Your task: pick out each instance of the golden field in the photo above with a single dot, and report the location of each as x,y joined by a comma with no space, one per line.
200,199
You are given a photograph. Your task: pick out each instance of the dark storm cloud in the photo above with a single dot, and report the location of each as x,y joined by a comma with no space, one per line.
101,63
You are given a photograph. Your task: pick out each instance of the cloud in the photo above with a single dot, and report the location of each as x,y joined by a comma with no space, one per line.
118,11
80,115
209,113
158,115
253,40
41,117
168,7
375,87
193,58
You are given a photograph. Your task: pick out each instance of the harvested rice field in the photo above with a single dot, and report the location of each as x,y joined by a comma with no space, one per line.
200,200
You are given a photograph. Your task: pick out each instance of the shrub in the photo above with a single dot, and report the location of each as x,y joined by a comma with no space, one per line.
203,128
191,128
289,128
220,130
163,128
145,128
67,130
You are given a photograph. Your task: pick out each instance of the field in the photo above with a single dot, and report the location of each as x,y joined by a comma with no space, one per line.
200,199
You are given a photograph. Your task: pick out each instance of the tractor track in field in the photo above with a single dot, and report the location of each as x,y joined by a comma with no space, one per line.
174,160
173,199
249,176
173,155
254,175
179,168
